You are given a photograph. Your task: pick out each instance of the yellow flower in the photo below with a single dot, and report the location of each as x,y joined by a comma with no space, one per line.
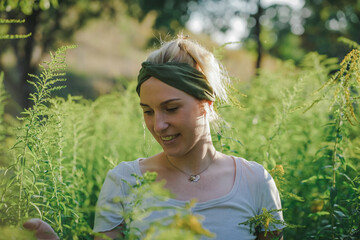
195,226
279,169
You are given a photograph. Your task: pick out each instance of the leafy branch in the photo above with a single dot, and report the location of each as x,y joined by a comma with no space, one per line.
28,141
13,36
342,90
266,220
344,84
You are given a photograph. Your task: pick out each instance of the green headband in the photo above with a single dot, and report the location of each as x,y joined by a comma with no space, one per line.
178,75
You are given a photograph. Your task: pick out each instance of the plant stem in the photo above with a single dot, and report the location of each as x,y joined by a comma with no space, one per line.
333,190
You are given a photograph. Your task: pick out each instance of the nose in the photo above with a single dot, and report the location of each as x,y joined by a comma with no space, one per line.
160,123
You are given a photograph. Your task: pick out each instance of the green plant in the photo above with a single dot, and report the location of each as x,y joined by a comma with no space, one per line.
13,36
266,220
300,122
141,201
27,188
342,91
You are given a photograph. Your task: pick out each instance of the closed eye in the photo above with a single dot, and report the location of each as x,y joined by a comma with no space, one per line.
172,109
148,112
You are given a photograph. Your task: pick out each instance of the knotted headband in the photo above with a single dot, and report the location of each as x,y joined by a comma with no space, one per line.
178,75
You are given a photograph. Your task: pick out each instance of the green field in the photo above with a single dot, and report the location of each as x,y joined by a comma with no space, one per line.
300,122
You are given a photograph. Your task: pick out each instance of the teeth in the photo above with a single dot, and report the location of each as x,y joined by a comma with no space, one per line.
168,138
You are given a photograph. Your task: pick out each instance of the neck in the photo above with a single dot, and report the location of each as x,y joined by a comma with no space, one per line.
194,161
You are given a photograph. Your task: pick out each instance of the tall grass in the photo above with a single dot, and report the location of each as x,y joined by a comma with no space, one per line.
300,122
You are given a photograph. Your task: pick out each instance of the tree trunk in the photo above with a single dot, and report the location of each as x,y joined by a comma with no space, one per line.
257,35
24,55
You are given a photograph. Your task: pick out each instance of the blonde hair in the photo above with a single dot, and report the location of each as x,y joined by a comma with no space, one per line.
183,50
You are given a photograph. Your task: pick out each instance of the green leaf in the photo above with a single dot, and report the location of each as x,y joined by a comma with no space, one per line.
37,209
315,178
321,213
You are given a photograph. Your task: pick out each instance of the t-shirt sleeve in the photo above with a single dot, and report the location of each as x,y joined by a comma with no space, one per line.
109,209
270,199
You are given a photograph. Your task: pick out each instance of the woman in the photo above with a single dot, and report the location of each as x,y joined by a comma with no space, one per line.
177,86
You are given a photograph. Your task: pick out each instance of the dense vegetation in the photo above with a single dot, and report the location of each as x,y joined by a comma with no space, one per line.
300,122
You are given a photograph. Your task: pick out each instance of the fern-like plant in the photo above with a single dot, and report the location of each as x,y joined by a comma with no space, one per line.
24,186
342,91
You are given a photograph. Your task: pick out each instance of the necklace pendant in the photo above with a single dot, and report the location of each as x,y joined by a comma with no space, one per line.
194,178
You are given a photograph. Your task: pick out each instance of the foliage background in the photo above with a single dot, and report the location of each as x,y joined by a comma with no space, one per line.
300,118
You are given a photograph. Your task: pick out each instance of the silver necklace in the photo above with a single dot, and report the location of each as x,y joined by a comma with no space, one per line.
192,177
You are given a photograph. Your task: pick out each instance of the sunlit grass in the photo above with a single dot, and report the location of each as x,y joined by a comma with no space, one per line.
65,146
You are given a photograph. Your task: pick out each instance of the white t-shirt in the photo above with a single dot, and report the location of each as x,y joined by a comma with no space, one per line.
253,190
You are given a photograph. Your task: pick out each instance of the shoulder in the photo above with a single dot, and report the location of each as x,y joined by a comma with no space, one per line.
124,171
255,176
151,164
252,169
119,179
126,165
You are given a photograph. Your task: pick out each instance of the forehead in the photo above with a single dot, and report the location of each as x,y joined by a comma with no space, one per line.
153,91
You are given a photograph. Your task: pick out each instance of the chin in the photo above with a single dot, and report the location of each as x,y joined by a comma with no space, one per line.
170,153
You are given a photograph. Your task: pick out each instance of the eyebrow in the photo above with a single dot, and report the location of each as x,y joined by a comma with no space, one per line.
163,103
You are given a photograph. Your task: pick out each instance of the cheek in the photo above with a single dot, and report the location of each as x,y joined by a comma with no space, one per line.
148,123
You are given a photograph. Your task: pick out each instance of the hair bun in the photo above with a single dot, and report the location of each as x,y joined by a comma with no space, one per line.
181,36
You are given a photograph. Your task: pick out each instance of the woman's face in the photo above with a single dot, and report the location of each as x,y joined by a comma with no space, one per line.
175,119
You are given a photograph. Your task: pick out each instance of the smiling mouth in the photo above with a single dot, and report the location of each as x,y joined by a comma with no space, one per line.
169,138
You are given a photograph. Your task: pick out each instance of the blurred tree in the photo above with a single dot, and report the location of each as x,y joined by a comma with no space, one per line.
51,25
282,31
327,21
264,24
172,15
